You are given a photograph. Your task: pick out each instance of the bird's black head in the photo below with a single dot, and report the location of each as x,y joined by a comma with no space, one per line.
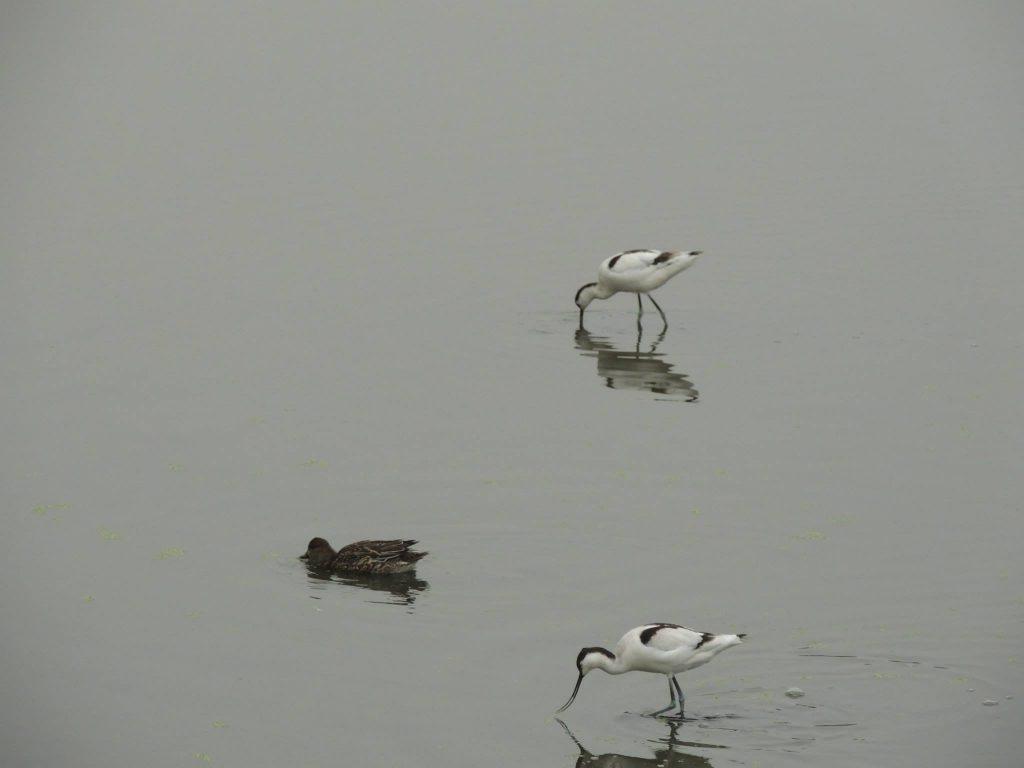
586,660
581,300
584,665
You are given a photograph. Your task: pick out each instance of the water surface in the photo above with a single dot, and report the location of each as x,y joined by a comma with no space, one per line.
271,273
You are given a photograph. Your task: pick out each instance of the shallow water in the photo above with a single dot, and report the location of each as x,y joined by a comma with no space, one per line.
270,274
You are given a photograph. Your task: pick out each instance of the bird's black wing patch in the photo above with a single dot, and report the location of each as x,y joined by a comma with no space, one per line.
706,637
611,264
651,631
663,257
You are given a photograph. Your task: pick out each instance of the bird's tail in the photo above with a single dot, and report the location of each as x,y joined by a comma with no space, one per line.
728,641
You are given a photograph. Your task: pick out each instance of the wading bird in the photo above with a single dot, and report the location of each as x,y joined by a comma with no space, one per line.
379,557
638,272
665,649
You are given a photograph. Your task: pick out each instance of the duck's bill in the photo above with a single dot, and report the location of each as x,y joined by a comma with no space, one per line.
304,556
572,698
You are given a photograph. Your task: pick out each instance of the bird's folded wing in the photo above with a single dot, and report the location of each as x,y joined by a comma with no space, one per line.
629,261
381,550
668,637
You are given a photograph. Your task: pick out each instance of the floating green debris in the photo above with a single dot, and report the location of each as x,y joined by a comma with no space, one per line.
194,614
175,467
42,509
167,554
219,724
87,599
696,512
313,463
109,535
202,756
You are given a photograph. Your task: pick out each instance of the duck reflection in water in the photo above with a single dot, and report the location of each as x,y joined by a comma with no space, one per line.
633,369
399,588
665,755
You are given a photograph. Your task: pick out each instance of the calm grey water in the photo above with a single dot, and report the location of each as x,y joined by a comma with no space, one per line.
277,271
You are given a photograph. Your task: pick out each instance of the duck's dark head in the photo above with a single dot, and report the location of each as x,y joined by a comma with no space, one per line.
318,552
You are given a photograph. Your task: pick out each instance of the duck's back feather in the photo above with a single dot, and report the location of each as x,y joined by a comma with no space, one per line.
378,556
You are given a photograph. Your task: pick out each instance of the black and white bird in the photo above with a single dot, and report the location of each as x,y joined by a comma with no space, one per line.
664,649
638,272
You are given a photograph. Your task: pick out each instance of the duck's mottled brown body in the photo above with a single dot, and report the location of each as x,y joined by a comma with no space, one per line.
379,557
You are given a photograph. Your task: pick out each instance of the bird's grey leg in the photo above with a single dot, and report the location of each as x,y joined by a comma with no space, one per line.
679,690
663,318
671,704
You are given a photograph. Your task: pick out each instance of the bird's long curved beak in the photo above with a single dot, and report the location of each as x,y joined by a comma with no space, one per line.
304,556
572,698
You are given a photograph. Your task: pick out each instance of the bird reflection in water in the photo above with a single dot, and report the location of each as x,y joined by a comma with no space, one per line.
633,369
398,588
666,754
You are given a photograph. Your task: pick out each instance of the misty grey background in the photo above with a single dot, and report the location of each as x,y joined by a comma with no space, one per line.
272,271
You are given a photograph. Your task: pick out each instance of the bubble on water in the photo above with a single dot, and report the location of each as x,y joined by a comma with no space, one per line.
989,703
794,692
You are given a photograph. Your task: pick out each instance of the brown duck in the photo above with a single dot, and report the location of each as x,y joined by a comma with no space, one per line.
378,557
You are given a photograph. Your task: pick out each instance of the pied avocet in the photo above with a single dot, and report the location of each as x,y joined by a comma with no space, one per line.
665,649
638,272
